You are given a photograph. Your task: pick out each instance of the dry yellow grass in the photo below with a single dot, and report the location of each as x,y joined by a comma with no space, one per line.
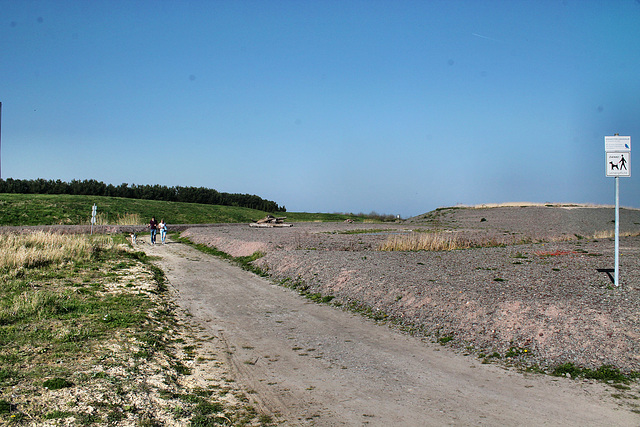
604,234
424,242
610,234
450,241
32,250
124,219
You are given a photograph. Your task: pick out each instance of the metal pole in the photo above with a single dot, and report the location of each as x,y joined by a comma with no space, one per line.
617,237
0,140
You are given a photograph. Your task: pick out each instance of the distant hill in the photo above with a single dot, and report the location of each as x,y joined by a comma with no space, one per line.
55,209
536,221
91,187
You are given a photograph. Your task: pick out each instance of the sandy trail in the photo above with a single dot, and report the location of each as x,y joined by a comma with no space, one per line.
312,364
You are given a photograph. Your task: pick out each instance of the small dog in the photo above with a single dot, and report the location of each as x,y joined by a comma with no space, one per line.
614,166
134,238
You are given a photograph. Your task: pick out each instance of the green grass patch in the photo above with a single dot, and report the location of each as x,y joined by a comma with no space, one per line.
444,340
514,352
368,311
603,373
57,383
6,407
54,209
519,255
319,298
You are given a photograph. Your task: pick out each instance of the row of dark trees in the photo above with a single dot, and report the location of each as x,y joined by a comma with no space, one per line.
92,187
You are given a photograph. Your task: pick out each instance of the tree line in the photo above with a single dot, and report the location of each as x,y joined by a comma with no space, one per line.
91,187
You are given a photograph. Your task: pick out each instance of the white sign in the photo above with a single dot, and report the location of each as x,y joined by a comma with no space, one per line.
618,164
617,144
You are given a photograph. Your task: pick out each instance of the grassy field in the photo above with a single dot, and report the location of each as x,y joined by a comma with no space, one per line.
88,336
45,209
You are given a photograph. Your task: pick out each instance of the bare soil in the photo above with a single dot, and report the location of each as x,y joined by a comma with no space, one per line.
540,303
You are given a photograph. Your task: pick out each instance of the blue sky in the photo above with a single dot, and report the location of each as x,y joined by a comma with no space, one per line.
397,107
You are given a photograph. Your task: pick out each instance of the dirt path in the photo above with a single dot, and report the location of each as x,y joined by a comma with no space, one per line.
317,365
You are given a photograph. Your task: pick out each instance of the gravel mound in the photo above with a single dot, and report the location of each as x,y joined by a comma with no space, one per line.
545,298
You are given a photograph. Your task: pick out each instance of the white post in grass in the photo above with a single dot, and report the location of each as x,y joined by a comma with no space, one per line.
94,210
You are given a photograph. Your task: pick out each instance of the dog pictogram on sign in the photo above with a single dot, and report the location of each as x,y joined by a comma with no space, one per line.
618,164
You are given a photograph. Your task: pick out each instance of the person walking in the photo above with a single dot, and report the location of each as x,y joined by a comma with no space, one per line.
623,162
153,227
163,230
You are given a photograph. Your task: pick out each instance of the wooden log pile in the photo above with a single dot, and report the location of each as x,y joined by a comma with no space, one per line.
271,221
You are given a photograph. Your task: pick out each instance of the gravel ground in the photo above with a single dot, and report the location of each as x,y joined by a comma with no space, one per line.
545,302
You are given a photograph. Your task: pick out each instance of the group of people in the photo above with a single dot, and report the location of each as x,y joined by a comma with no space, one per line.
155,227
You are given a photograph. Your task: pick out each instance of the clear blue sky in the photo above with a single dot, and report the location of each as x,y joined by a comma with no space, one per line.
397,107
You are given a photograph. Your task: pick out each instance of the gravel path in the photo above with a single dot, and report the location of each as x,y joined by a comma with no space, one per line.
542,303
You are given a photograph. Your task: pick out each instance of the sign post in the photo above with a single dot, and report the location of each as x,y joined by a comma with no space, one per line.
617,163
94,210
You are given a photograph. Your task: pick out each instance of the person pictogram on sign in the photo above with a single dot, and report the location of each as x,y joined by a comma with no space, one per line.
622,163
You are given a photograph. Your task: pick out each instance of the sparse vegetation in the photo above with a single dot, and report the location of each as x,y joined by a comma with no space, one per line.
90,316
444,340
246,262
603,373
515,352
